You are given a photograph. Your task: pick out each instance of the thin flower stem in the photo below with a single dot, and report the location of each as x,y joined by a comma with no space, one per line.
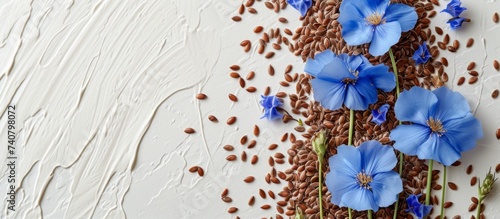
320,187
401,155
351,127
479,200
429,181
350,213
369,214
443,192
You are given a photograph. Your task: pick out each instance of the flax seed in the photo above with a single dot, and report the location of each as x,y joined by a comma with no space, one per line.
471,66
269,55
235,67
252,144
212,118
497,168
282,20
228,147
262,193
244,156
447,204
251,201
498,134
233,97
201,172
452,186
193,169
495,17
494,95
472,80
469,169
252,10
258,29
496,65
227,199
265,207
250,75
234,75
242,82
255,159
251,89
236,18
189,130
470,42
201,96
249,179
232,210
231,157
473,181
270,70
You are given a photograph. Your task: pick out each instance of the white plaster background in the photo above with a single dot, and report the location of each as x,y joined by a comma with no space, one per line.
104,90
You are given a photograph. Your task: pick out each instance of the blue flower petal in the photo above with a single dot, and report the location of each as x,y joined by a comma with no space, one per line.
384,36
418,209
438,149
380,77
415,105
356,33
422,54
456,23
409,137
359,200
331,95
339,183
335,71
454,9
404,14
377,157
360,95
349,158
365,7
385,185
314,66
462,133
380,115
301,5
450,105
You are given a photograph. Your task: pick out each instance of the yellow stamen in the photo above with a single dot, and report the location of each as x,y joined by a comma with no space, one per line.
364,180
436,126
375,19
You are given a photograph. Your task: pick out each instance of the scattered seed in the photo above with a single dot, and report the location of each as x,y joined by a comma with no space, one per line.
472,80
255,159
272,147
284,137
498,133
252,144
470,42
469,169
471,66
496,65
250,75
212,118
251,89
201,172
474,73
243,139
244,156
438,30
249,179
265,207
236,18
232,210
262,193
473,181
224,192
258,29
284,83
189,130
252,10
461,80
242,83
227,199
193,169
251,201
228,147
270,70
452,186
276,46
269,55
494,95
474,200
288,69
495,17
233,97
283,20
472,207
235,67
456,44
256,130
270,161
267,91
447,204
201,96
231,157
497,168
234,75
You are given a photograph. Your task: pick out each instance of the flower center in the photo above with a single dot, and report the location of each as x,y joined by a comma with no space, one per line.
364,180
375,19
436,126
348,81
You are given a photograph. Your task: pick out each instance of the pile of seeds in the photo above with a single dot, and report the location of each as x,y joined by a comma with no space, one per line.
320,31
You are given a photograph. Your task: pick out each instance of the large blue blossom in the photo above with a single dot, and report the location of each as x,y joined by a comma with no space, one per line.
454,8
271,104
362,178
418,209
442,125
375,21
301,5
348,80
422,54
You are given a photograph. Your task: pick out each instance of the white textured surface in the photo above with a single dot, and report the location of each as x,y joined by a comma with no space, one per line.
104,90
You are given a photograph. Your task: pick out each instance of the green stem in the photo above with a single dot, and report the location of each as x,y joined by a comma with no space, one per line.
443,192
429,181
401,155
351,127
479,200
320,187
350,213
369,214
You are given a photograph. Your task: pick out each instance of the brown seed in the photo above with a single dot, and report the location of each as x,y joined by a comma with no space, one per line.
265,207
473,181
472,80
496,65
224,192
231,120
498,133
497,168
456,44
446,39
469,169
288,69
261,49
241,9
281,94
244,139
233,97
438,30
235,67
271,194
236,18
228,147
269,55
252,144
262,193
270,70
250,75
193,169
284,137
247,47
212,118
471,66
251,201
242,83
269,5
270,161
232,210
447,204
251,89
252,10
200,171
249,179
495,17
474,200
258,29
470,42
255,159
272,147
234,75
494,95
245,43
474,73
283,20
256,130
461,80
472,207
231,157
244,156
452,186
284,83
189,130
201,96
227,199
276,46
267,91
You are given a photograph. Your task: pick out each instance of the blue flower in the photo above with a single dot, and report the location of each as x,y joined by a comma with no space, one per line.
348,80
442,125
362,178
379,116
301,5
422,55
456,23
270,104
454,9
375,21
416,207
